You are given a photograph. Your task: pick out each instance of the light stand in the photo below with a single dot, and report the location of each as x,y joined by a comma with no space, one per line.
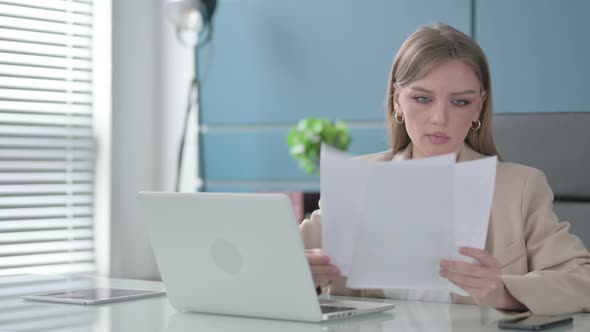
190,18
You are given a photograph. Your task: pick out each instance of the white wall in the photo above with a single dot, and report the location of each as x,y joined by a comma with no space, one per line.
151,73
102,101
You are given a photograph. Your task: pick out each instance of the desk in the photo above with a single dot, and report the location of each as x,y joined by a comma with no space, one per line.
156,314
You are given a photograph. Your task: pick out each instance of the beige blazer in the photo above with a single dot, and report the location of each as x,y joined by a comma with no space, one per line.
544,266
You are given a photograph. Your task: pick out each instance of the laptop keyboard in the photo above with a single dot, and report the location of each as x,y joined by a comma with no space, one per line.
326,309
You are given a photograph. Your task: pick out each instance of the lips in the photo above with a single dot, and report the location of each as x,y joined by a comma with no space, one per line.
438,138
438,134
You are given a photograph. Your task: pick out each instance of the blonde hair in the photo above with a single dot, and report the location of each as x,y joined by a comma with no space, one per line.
425,48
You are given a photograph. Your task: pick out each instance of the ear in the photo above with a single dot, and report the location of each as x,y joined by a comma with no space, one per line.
484,96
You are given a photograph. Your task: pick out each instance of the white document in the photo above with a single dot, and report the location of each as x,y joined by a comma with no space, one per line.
342,183
405,229
388,224
473,195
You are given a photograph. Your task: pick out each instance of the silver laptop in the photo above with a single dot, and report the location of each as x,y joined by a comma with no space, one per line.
185,321
237,254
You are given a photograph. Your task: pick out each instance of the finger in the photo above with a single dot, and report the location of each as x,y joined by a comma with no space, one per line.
466,268
471,291
468,289
324,278
465,281
315,251
484,257
317,259
325,270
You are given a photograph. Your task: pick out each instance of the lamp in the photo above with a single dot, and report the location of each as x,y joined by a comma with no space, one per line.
190,18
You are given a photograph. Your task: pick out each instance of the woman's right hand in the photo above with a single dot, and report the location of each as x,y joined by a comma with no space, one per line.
322,271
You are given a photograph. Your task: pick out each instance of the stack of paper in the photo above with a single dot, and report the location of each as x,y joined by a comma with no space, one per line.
388,225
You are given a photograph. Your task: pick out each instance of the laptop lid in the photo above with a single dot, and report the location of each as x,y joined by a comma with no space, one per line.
236,254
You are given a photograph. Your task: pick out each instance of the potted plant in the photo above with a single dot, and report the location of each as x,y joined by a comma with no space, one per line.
306,137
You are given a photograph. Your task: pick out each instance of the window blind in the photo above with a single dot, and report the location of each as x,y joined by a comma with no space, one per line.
47,147
16,315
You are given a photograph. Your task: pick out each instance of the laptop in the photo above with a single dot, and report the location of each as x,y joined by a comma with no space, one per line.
237,254
184,321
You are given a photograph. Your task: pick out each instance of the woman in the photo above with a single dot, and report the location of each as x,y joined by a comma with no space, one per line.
439,101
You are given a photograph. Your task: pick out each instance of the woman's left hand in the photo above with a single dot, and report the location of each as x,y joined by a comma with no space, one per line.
482,281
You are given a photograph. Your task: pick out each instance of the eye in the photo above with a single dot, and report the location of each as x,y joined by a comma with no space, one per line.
461,102
422,99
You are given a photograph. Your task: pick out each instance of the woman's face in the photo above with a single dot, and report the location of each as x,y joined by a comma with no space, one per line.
439,108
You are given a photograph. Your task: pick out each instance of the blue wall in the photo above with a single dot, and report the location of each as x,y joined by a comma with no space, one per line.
272,63
539,52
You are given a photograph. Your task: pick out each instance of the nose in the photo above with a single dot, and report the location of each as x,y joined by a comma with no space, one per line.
439,113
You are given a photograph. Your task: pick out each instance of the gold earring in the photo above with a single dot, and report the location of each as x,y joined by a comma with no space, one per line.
399,118
475,125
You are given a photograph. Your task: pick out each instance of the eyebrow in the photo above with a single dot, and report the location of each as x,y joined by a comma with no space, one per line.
464,92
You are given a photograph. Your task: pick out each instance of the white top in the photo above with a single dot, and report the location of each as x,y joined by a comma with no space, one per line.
418,295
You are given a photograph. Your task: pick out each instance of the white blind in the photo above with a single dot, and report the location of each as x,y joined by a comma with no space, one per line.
16,315
47,149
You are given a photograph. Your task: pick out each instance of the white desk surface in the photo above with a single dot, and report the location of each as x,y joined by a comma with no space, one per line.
156,314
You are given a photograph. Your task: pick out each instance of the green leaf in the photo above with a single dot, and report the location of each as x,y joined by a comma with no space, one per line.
305,138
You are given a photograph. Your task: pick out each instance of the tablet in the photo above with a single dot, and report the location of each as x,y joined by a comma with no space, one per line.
93,295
